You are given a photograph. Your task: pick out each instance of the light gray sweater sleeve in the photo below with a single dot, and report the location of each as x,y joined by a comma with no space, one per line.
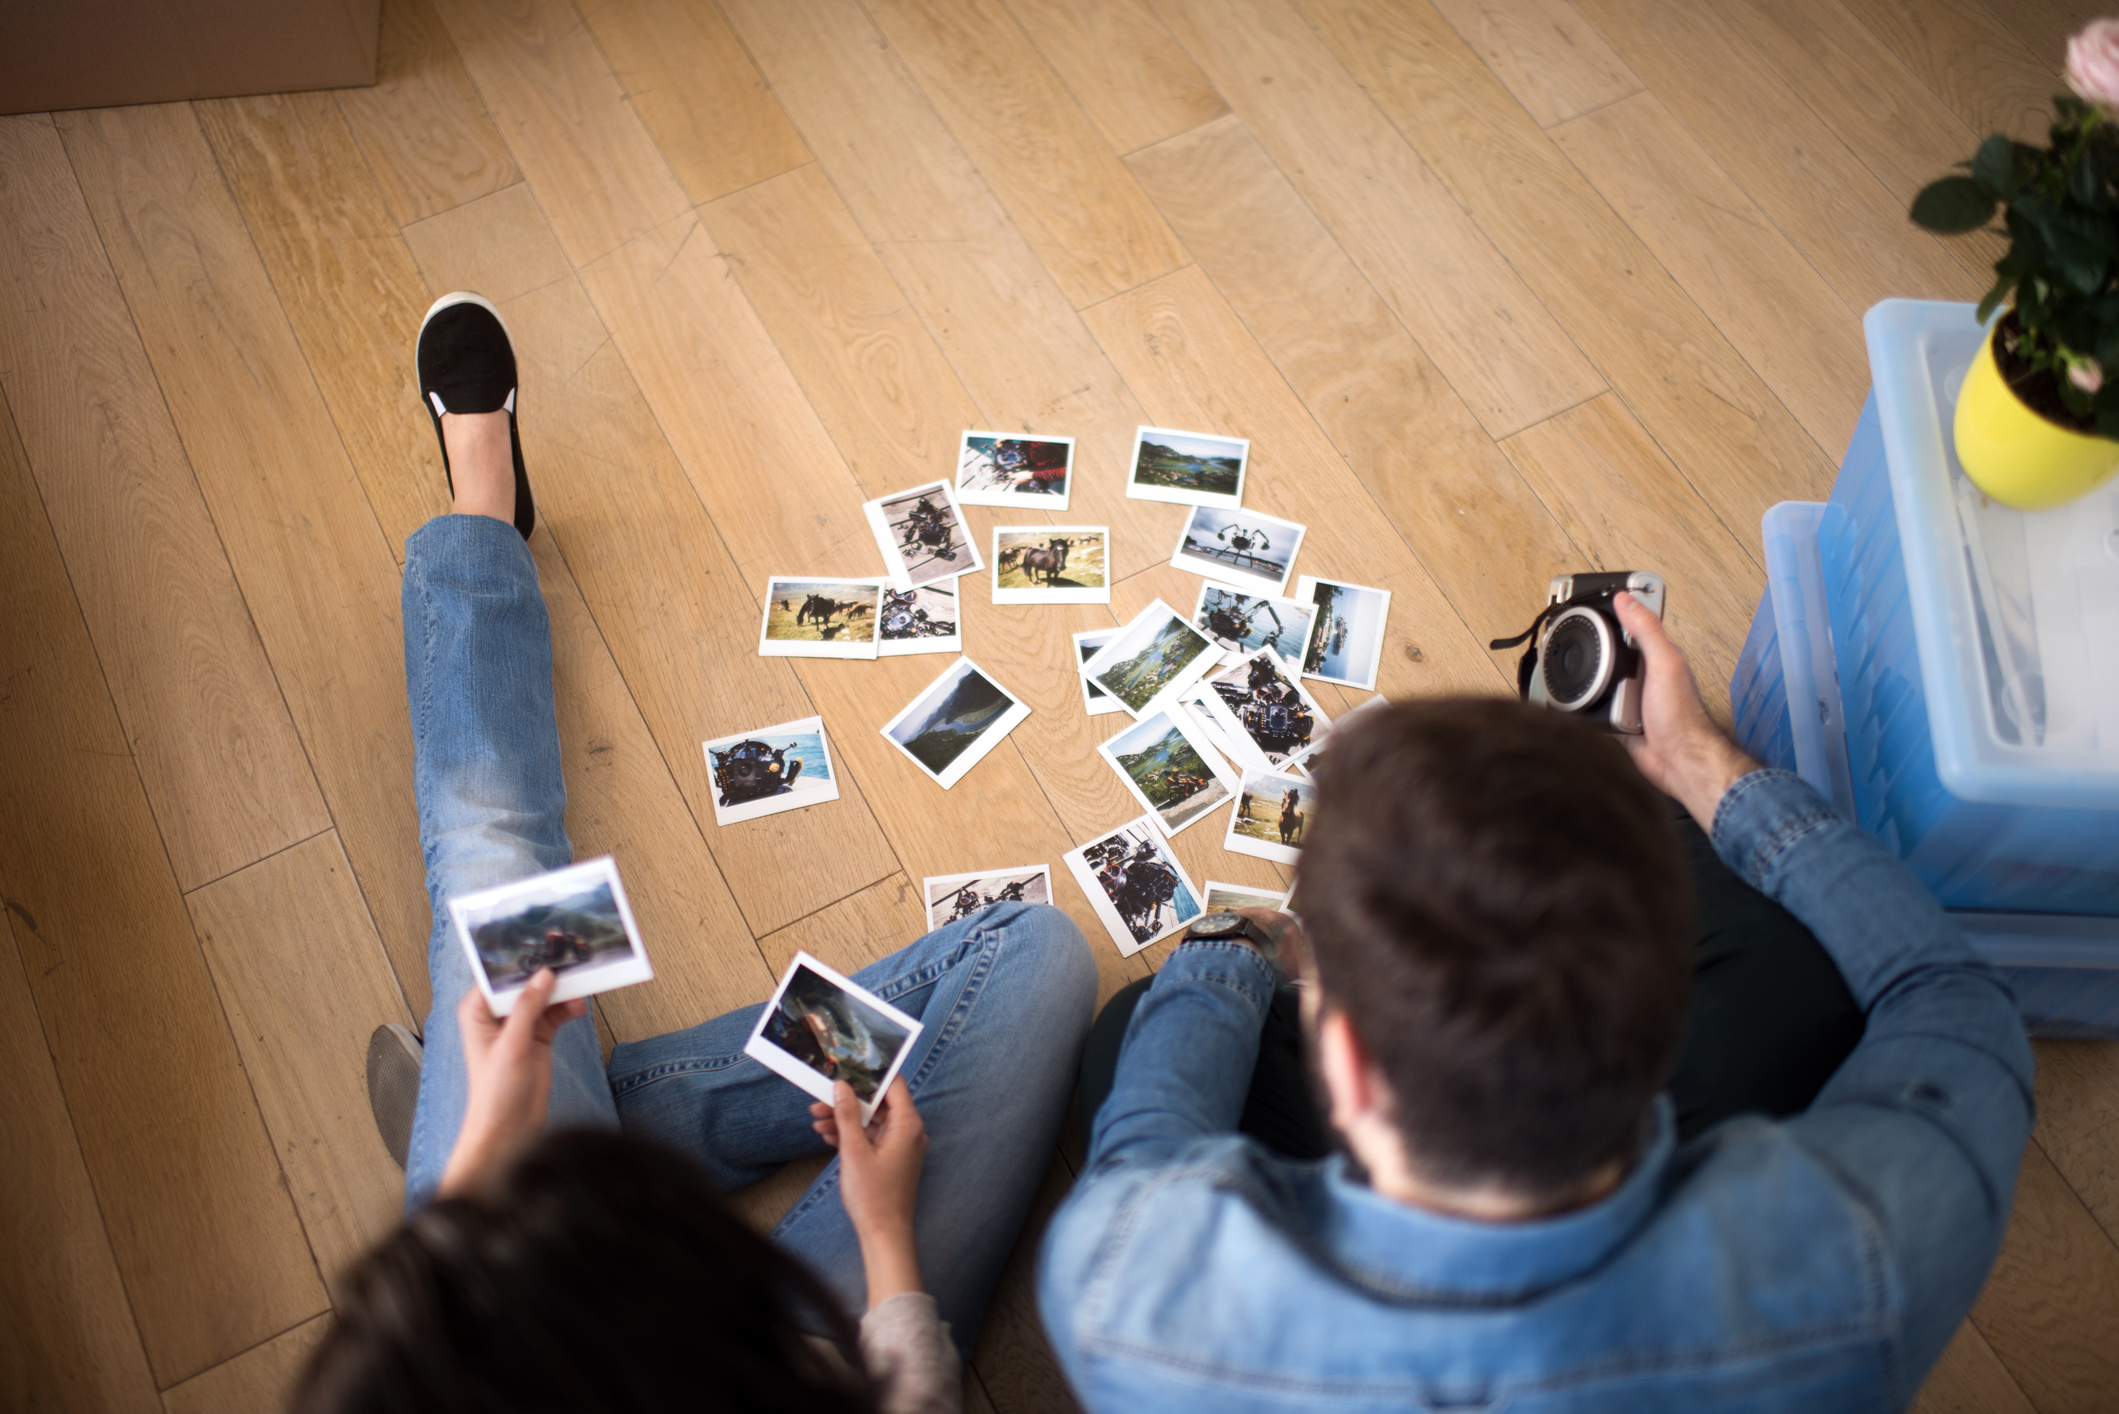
909,1356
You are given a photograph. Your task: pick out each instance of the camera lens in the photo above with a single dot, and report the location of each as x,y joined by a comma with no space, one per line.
1576,659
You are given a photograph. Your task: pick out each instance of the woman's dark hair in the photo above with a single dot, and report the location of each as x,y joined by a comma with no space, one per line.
603,1274
1498,900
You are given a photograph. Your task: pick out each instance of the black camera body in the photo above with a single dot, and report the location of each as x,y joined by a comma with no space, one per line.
1581,661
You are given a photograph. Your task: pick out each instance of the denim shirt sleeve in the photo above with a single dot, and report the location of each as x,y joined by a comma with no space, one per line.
1925,1122
1185,1065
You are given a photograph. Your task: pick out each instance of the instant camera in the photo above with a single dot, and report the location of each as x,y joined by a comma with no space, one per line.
1579,659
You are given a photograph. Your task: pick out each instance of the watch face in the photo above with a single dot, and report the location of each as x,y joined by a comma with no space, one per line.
1219,925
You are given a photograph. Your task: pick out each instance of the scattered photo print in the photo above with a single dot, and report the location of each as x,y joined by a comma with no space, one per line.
922,620
1271,810
1346,643
1052,564
1227,898
1135,884
955,721
1242,623
1196,702
1188,468
1014,469
819,618
821,1027
1095,700
1264,713
765,772
1152,660
922,534
954,896
573,920
1169,769
1243,548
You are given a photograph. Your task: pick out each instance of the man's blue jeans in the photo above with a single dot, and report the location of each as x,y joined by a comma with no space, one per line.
1005,995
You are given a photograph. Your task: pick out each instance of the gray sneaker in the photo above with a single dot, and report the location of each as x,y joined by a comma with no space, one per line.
394,1056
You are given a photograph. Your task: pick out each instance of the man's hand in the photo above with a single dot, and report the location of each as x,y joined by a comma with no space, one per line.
510,1065
879,1181
1680,750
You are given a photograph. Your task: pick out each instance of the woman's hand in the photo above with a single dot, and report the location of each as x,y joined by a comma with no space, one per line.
879,1181
510,1066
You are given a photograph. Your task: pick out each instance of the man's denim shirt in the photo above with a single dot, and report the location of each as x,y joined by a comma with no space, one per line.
1819,1263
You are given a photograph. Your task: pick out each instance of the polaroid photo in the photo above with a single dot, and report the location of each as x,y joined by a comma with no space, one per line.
1271,809
922,620
1187,468
574,920
765,772
1307,763
1263,711
953,896
821,1026
1152,660
1135,884
1095,700
1346,643
922,534
1227,898
1170,769
1241,623
1052,564
955,721
819,618
1014,469
1241,548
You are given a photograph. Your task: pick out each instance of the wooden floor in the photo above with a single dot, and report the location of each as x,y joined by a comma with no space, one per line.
1496,287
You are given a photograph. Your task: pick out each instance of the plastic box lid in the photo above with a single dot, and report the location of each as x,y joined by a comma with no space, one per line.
2016,614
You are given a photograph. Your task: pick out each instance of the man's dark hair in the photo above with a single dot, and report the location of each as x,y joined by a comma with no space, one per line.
603,1274
1497,899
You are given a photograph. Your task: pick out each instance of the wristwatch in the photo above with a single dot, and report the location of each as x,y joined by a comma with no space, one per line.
1235,925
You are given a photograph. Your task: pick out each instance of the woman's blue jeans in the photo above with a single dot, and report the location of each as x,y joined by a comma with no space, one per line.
1005,996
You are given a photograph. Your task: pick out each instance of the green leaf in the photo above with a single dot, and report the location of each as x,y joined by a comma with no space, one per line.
1953,205
1994,166
1993,300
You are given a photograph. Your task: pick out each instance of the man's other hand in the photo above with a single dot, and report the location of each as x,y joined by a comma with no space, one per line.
1680,749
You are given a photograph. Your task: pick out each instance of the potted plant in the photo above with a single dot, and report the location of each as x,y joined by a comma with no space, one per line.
2038,419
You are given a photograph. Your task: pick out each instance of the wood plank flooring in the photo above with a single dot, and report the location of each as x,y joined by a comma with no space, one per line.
1497,287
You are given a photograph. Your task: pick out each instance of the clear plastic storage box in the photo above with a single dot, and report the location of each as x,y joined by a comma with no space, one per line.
1785,698
1976,647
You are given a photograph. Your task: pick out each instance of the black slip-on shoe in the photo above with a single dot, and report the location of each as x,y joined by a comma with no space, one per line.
467,364
394,1059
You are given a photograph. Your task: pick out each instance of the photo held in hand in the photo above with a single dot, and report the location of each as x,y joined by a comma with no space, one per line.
574,921
821,1027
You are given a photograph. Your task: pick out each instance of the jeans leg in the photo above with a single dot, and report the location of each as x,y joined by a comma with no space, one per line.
1281,1111
492,799
1004,999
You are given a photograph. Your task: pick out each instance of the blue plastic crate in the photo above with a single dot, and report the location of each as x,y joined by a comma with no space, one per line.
2063,969
1950,762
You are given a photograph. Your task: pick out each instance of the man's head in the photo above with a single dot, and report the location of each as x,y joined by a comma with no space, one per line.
1501,925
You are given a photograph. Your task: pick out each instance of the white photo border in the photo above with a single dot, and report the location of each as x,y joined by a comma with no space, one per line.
584,983
1100,902
895,569
1235,576
1170,495
1305,587
986,740
810,1081
1044,500
725,815
1051,596
769,647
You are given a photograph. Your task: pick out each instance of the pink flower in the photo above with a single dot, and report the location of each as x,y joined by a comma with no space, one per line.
2086,374
2093,63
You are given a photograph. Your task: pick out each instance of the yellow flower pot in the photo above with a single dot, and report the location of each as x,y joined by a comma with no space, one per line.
2018,457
